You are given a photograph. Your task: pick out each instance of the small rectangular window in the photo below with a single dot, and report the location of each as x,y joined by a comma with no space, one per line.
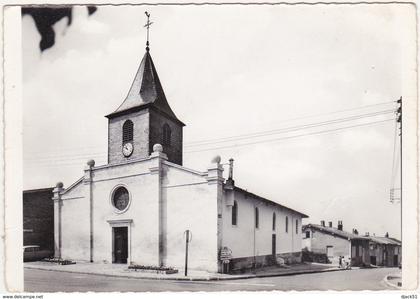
235,213
308,234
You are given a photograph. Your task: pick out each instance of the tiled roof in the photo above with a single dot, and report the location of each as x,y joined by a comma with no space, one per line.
335,231
145,91
269,201
385,240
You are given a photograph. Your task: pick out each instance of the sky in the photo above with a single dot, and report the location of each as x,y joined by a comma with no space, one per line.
236,76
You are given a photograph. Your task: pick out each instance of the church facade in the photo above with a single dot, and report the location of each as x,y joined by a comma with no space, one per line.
137,208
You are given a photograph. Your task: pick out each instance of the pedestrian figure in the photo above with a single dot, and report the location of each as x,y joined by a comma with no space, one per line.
348,263
340,261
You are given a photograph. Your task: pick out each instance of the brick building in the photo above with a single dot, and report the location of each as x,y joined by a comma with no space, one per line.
38,218
136,208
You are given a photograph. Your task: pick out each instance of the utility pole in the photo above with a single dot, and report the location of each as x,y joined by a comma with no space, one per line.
399,120
188,238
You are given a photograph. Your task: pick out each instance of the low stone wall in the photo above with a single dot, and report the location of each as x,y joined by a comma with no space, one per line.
243,264
291,257
309,256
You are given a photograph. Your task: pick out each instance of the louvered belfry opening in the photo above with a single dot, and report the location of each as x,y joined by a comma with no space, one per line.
128,128
166,135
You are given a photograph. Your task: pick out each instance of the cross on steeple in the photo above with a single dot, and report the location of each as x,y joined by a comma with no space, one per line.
147,26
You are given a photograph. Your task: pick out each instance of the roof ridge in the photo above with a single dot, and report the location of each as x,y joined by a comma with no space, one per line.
271,201
336,231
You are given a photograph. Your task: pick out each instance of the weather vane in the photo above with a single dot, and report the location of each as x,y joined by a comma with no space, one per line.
147,26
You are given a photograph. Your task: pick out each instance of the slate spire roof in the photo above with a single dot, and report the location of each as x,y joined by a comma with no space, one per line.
145,91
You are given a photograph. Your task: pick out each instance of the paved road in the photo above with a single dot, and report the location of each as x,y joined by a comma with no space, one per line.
361,279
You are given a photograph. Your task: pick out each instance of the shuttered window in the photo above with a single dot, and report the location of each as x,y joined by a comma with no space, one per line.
166,135
127,132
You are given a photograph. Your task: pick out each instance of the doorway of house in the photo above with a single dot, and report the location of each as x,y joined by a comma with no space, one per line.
373,260
120,246
396,260
385,258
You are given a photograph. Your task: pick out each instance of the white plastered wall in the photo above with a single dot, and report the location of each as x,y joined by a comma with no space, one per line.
190,203
240,238
141,216
75,224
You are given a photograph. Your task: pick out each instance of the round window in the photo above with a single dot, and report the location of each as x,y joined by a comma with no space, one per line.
121,198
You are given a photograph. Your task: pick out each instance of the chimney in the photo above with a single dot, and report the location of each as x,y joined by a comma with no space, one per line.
230,183
355,231
322,223
329,223
366,234
340,225
230,169
386,235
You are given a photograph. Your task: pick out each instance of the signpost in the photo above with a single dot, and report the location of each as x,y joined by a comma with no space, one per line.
188,238
225,257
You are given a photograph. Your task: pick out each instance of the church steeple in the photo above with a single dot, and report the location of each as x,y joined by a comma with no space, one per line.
144,118
146,90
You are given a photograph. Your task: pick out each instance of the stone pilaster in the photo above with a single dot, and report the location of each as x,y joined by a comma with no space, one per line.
88,181
215,178
57,218
156,168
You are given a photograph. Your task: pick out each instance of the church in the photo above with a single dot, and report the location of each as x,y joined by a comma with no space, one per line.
136,209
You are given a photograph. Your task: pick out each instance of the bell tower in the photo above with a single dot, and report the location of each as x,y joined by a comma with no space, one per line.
143,119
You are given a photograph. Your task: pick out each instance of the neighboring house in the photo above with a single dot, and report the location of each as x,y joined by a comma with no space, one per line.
38,218
335,242
137,208
385,251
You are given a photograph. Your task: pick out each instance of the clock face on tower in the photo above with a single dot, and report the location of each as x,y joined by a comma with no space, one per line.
127,149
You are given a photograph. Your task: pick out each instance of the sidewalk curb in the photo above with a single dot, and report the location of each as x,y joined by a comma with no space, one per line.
386,281
297,272
191,278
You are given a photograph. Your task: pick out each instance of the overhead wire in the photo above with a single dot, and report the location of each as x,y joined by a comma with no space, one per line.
323,114
199,141
291,137
289,129
79,157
